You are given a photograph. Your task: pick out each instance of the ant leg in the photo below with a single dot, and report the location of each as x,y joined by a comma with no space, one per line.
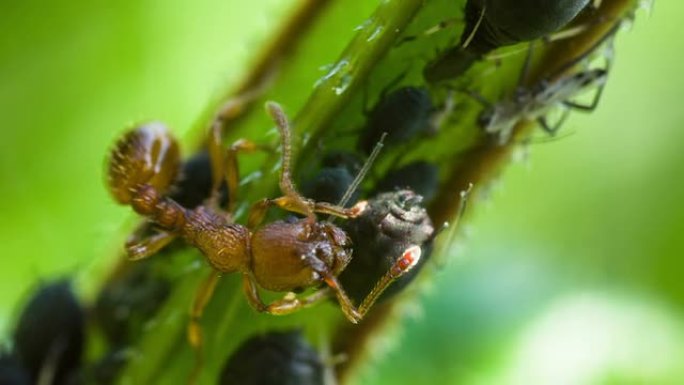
224,165
202,297
288,304
140,247
230,110
232,168
406,262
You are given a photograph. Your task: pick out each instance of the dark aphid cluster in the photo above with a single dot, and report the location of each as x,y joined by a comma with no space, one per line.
274,358
491,24
394,224
48,339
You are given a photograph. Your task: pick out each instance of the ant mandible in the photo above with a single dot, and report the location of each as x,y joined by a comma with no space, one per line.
279,256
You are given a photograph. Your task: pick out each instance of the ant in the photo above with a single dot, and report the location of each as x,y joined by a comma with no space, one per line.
281,256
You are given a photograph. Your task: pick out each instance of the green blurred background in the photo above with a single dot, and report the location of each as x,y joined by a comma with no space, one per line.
570,274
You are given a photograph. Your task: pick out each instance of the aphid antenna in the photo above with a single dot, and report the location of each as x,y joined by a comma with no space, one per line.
361,174
464,195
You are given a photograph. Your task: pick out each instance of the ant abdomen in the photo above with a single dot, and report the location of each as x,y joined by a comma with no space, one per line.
146,155
289,256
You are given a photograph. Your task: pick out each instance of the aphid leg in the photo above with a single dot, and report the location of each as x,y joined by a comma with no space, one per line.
552,130
140,248
202,297
288,304
586,107
406,262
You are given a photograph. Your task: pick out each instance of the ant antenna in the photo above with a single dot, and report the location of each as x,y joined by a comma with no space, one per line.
362,173
286,185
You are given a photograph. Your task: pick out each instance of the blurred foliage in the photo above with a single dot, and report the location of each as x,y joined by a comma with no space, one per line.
569,275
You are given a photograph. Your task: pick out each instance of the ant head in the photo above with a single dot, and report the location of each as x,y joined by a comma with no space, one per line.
335,249
148,154
290,256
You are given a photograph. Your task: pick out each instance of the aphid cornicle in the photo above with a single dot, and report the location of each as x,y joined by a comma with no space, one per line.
393,224
50,334
278,256
274,358
491,24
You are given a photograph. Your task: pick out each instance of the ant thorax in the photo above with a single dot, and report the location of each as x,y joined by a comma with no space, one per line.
303,251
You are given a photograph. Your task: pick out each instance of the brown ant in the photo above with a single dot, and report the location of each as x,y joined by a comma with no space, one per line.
279,256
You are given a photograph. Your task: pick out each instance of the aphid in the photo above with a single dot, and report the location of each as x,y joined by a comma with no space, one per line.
274,358
421,177
402,114
279,256
533,103
334,178
49,337
128,300
395,223
194,183
491,24
11,371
